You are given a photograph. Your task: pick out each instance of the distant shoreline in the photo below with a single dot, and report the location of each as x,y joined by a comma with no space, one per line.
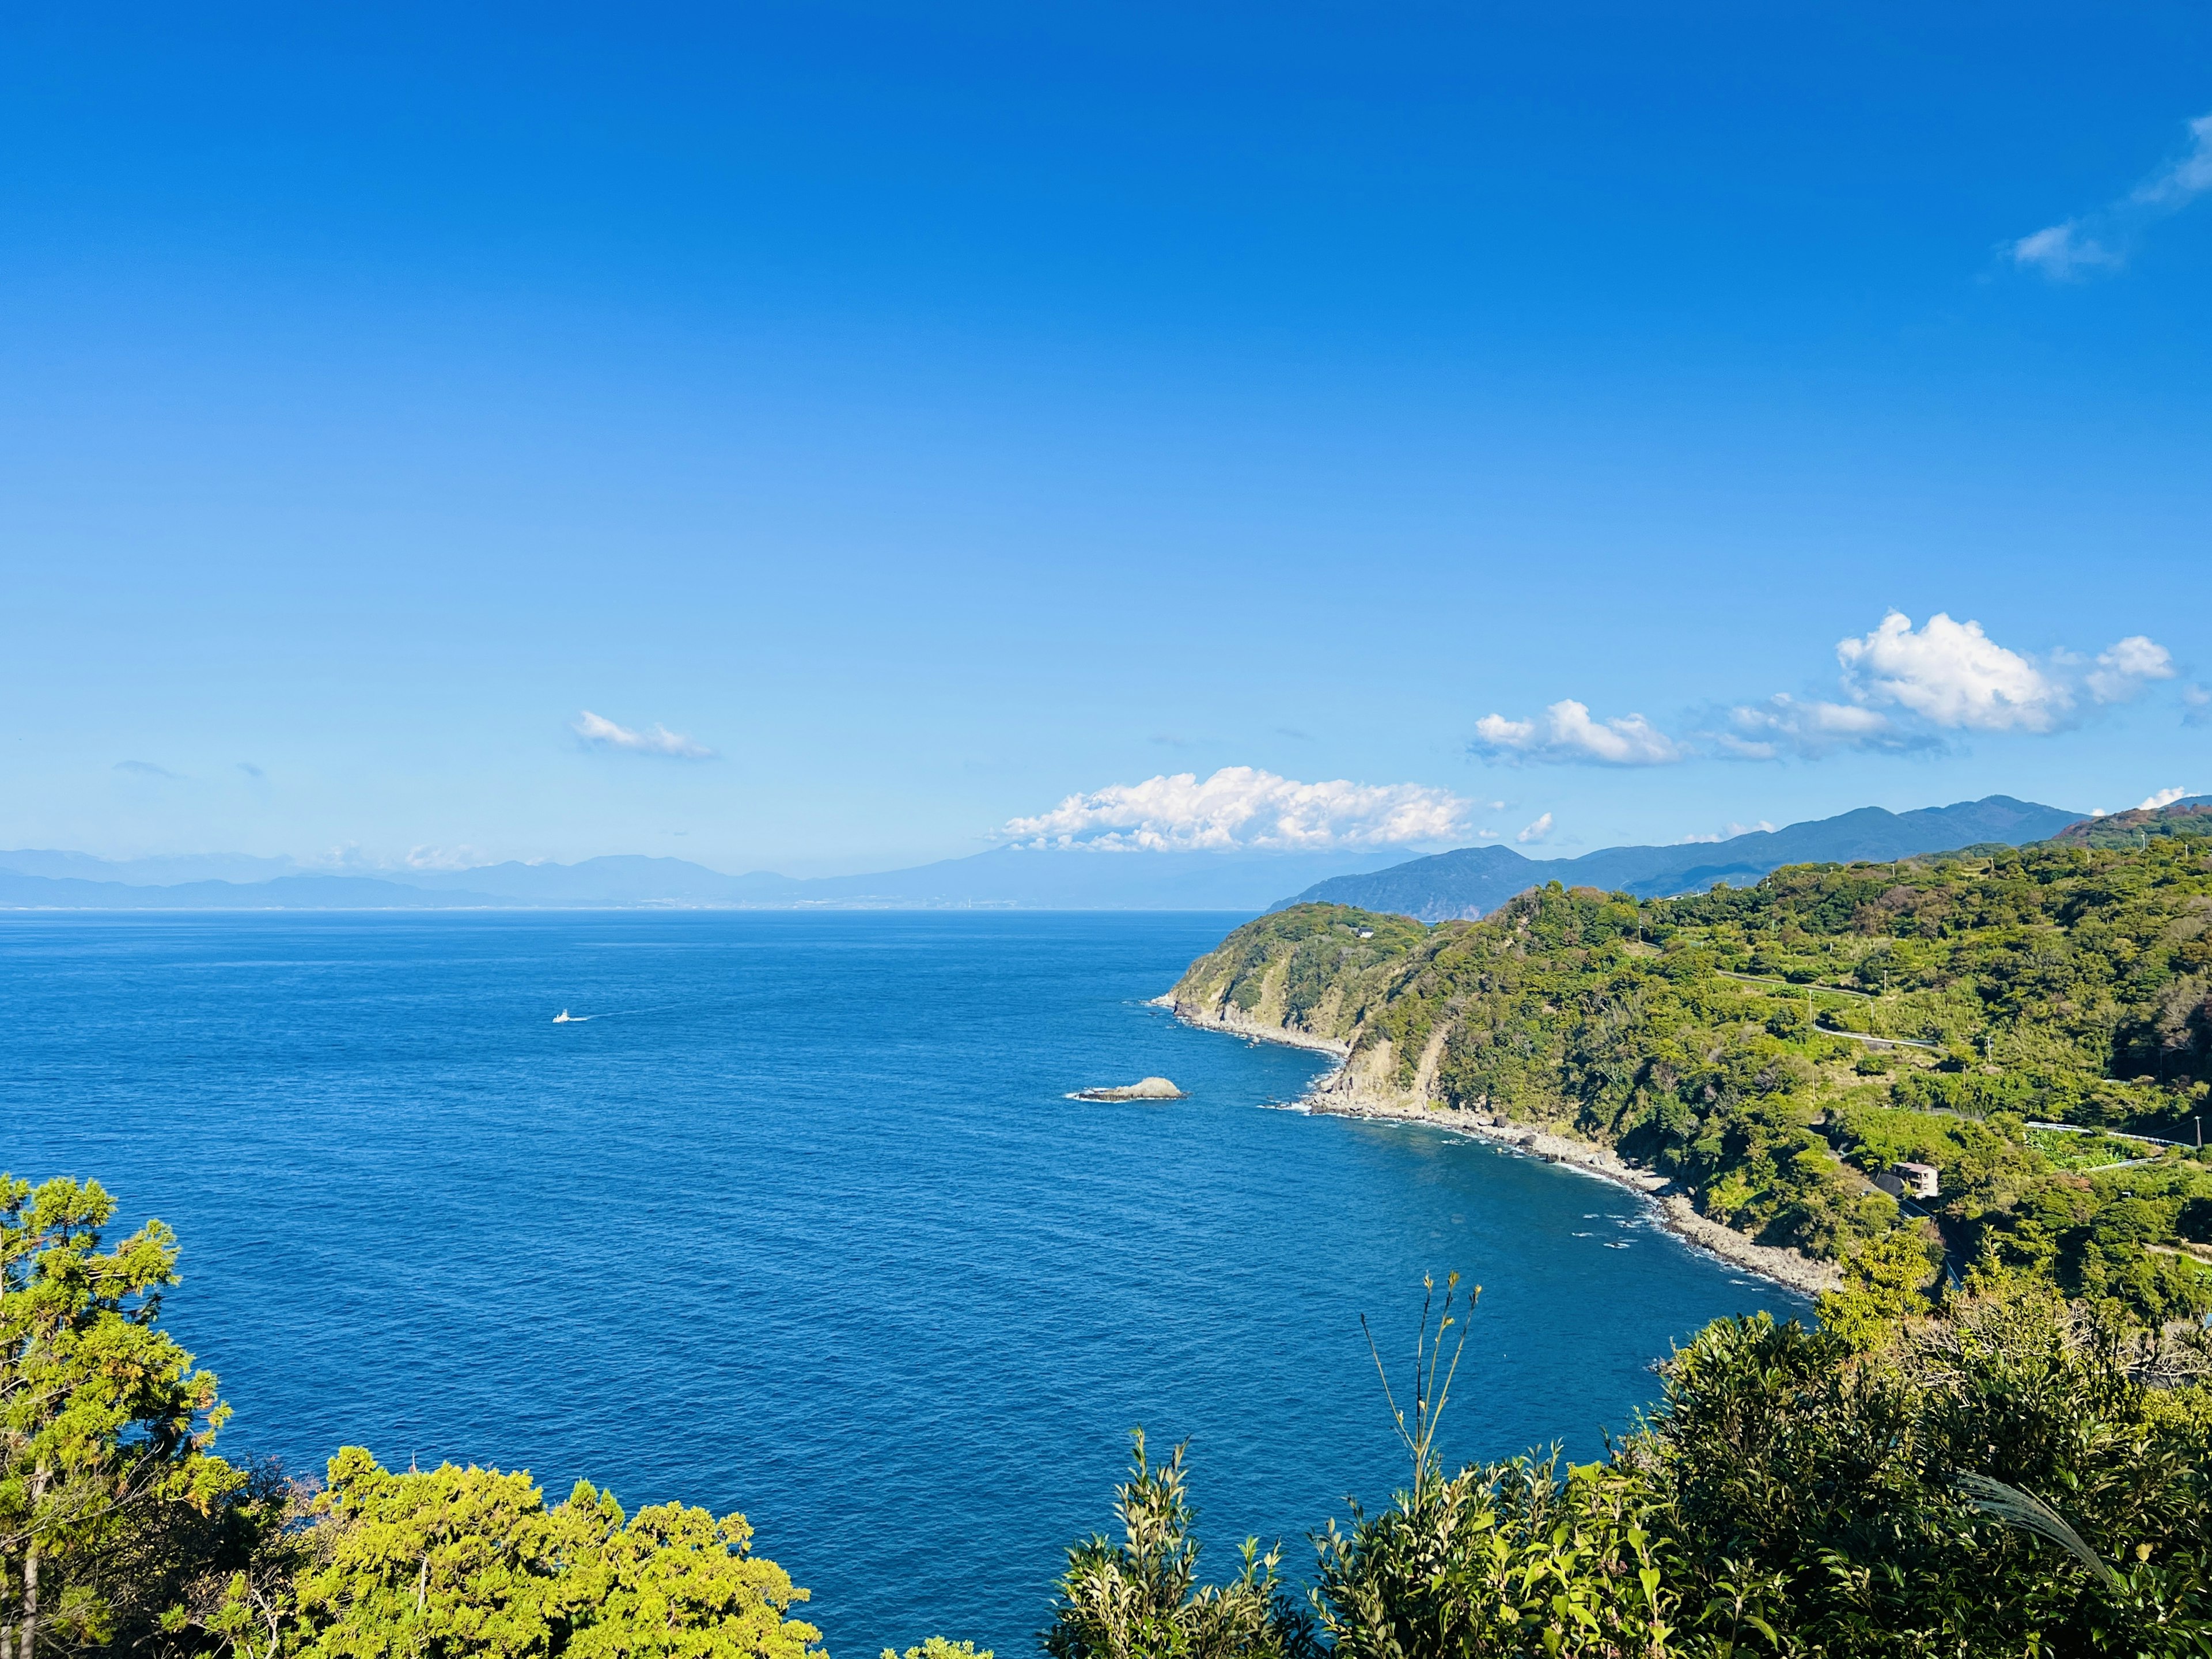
1790,1269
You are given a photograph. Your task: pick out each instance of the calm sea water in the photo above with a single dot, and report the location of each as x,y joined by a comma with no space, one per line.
795,1219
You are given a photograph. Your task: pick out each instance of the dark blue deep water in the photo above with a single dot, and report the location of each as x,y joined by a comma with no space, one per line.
799,1222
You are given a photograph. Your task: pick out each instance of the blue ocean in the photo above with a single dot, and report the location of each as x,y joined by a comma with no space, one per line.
794,1216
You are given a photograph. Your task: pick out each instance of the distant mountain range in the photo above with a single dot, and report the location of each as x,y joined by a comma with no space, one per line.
1004,879
1475,880
1467,882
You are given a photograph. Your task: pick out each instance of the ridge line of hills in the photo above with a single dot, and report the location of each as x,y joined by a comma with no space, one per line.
1472,881
1462,883
1774,1050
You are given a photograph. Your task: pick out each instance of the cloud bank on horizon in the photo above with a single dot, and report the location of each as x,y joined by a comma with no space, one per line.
1905,687
2102,240
1243,809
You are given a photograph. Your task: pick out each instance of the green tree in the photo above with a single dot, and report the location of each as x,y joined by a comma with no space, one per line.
105,1426
1494,1562
449,1560
937,1647
452,1561
1139,1599
672,1581
1885,1283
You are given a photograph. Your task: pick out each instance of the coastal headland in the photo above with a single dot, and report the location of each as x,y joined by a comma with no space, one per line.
1996,1060
1337,1093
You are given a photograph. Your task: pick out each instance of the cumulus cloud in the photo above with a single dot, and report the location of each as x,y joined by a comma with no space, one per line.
1903,687
1951,674
2159,798
1566,733
599,732
2101,241
1240,808
1540,830
1954,677
2127,668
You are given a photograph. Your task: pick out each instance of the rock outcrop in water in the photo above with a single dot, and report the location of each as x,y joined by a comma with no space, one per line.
1151,1088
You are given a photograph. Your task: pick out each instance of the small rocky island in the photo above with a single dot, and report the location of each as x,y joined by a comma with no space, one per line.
1151,1088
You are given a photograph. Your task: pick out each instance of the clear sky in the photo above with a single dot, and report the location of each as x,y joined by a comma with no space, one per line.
820,436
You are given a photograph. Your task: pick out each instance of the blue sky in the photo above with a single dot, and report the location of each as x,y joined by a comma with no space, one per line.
934,413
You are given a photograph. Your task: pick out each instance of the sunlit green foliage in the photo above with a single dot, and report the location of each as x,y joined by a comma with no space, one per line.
1504,1559
1141,1597
472,1561
937,1647
1718,1039
1797,1493
1817,1491
1312,968
121,1531
105,1426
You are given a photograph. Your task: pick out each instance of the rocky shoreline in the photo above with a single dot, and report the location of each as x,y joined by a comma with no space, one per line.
1238,1024
1330,1096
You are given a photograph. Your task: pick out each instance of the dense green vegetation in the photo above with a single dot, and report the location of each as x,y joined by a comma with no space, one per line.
1774,1047
1795,1493
2020,1476
121,1531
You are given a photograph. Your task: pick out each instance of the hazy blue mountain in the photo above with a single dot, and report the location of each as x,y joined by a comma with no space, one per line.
19,892
1003,878
149,872
619,879
1016,879
1472,881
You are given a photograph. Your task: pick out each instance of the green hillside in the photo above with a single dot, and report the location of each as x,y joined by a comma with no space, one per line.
1772,1048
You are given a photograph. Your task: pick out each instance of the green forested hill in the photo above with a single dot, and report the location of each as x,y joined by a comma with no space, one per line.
1772,1047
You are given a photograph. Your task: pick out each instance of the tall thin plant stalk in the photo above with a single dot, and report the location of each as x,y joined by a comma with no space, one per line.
1431,1391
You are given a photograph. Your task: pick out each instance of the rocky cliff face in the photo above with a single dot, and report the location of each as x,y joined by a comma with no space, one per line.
1321,976
1307,975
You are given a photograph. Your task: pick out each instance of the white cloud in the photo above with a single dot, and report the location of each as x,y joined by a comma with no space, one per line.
463,857
1903,687
599,732
2123,671
1784,725
1568,733
1954,677
2098,241
1498,733
1540,830
1729,832
1241,807
2182,181
2159,798
2064,252
1951,674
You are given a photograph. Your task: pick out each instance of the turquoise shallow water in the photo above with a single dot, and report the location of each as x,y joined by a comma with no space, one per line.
798,1221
